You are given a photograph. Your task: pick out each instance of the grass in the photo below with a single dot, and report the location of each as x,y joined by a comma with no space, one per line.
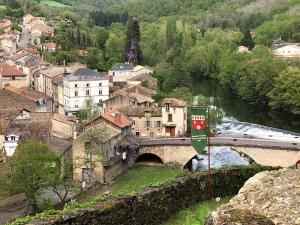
196,214
53,3
140,176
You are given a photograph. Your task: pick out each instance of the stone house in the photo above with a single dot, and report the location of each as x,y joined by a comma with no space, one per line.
122,72
63,127
11,76
132,95
145,80
8,43
147,121
96,153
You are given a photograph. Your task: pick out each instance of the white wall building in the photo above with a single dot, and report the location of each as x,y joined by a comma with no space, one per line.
81,85
288,51
174,117
125,71
10,144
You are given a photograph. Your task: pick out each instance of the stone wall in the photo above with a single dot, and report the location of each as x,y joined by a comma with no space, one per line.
154,205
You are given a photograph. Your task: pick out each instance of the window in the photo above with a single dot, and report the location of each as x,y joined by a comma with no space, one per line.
170,118
88,156
100,92
87,174
13,77
148,123
76,85
100,84
167,107
137,134
87,92
12,138
87,84
158,124
87,145
76,93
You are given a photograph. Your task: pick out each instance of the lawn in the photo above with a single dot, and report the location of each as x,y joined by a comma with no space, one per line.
196,214
140,176
53,3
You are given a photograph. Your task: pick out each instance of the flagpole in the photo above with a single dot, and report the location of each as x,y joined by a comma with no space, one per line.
208,152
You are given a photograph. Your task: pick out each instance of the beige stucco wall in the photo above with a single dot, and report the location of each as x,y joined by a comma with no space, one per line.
18,82
271,157
61,129
179,118
2,139
145,132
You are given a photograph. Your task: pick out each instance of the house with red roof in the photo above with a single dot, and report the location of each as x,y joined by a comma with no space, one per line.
10,75
48,46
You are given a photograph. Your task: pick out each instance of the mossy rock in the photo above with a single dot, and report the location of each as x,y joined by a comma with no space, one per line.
238,216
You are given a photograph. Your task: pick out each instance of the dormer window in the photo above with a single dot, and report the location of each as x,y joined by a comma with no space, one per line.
167,107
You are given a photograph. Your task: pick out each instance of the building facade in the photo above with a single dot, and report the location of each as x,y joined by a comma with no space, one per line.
11,76
84,86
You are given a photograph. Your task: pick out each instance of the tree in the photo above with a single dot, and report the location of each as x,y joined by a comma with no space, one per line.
78,37
247,39
33,167
133,52
182,93
88,113
285,95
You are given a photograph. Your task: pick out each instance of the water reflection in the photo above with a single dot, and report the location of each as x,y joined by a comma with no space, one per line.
235,108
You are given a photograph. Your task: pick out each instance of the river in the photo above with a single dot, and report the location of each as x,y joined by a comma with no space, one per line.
237,109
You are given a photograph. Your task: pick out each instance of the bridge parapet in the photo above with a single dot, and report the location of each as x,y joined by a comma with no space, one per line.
227,141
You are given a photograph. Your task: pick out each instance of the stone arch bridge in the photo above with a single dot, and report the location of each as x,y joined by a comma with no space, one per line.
264,152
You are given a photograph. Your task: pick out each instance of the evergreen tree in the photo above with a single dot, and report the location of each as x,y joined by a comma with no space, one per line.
133,51
83,45
78,37
247,39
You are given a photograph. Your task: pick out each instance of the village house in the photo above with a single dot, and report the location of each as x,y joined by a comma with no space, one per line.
84,86
12,76
5,25
44,77
13,98
174,117
169,120
144,80
8,43
26,61
97,155
131,95
287,50
48,46
27,20
58,95
122,72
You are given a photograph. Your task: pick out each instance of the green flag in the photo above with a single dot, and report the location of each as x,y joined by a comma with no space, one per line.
199,128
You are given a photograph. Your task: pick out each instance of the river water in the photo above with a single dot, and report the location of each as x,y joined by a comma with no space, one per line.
235,109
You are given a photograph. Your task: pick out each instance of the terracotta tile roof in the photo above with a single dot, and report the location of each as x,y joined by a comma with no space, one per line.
174,102
117,118
31,50
7,71
25,93
49,45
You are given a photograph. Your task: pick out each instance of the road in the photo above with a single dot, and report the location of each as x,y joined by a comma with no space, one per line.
25,38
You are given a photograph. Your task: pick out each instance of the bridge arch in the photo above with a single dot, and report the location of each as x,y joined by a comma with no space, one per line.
149,158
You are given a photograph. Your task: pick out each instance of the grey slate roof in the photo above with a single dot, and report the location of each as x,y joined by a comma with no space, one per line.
84,74
122,67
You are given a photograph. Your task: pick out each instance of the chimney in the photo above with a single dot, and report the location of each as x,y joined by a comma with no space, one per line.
118,118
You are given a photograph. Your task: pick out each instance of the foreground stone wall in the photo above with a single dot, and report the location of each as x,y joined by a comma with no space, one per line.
154,205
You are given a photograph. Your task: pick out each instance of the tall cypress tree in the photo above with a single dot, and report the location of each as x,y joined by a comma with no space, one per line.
78,37
247,39
133,52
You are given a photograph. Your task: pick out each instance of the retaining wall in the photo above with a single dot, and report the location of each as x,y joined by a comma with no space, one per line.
154,205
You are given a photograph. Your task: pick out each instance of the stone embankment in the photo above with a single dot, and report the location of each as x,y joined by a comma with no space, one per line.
271,197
